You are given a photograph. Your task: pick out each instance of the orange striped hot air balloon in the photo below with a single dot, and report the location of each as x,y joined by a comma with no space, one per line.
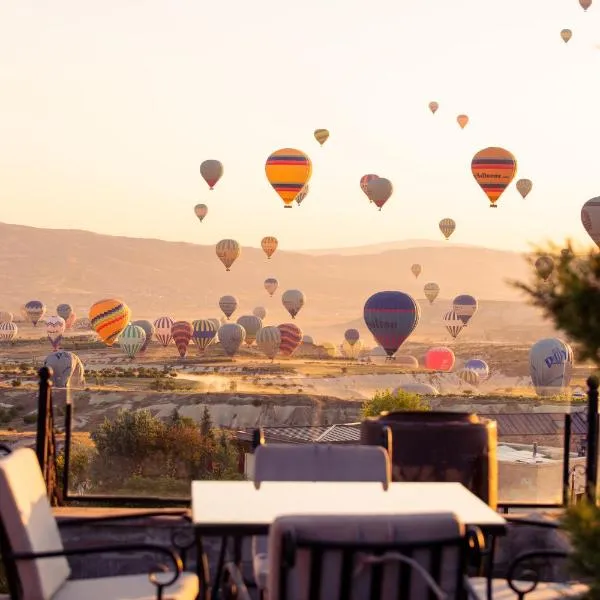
269,245
288,171
109,318
493,169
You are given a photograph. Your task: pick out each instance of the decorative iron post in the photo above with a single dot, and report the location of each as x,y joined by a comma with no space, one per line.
592,439
45,439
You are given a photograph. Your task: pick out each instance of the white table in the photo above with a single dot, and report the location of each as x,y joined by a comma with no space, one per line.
238,508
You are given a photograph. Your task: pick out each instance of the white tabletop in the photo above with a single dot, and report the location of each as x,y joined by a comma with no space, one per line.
235,504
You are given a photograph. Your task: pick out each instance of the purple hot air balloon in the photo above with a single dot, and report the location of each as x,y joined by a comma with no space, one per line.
465,306
391,317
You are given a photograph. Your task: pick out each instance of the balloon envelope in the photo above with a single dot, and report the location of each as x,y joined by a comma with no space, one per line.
109,318
379,191
227,252
550,366
162,330
228,304
269,245
524,186
431,291
544,265
68,370
260,312
447,227
34,311
433,106
8,331
302,194
352,336
566,35
251,325
293,301
321,135
271,285
462,120
132,339
452,323
439,359
391,317
231,336
291,338
201,211
148,328
493,168
204,334
268,340
416,270
479,366
182,332
288,171
211,171
364,184
590,219
465,306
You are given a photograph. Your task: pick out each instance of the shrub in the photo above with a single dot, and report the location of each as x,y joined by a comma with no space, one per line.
392,402
30,419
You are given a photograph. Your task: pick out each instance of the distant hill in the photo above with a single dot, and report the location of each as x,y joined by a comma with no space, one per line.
186,280
384,247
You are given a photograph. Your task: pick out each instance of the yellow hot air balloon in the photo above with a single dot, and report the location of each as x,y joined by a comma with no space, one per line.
462,120
493,169
447,227
524,186
211,170
585,4
269,245
433,106
566,35
288,171
228,251
321,135
109,318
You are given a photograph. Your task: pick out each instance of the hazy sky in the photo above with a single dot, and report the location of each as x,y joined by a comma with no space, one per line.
108,108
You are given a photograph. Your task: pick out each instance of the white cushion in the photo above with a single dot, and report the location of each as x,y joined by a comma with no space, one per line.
30,525
128,587
543,591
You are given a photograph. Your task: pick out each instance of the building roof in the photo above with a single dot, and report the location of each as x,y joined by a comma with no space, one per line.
346,433
525,423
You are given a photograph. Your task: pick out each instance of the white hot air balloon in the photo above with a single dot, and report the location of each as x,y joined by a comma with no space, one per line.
268,340
550,366
231,337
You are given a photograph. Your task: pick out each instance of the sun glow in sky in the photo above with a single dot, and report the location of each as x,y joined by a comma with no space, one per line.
108,108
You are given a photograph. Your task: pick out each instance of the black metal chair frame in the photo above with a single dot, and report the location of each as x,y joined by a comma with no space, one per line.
470,543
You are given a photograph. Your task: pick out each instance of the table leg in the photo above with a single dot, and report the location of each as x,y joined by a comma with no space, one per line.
490,566
220,564
203,569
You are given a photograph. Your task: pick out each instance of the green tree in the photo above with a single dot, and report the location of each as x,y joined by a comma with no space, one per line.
570,297
392,402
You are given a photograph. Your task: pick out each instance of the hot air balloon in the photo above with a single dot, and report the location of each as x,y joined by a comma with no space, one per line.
288,171
302,194
352,336
55,327
379,191
228,304
351,350
452,323
566,35
162,330
524,186
291,337
148,328
82,324
321,135
550,366
8,331
433,106
407,361
5,316
271,285
590,219
447,227
308,340
391,317
468,376
228,251
364,184
132,339
439,358
217,323
416,270
201,211
293,300
328,349
67,369
268,340
182,332
251,325
431,291
544,265
66,312
462,120
35,310
269,245
585,4
260,312
211,171
465,307
231,337
204,333
23,312
493,169
480,367
422,389
109,318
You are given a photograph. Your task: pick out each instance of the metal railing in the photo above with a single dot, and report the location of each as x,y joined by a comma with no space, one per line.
58,491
